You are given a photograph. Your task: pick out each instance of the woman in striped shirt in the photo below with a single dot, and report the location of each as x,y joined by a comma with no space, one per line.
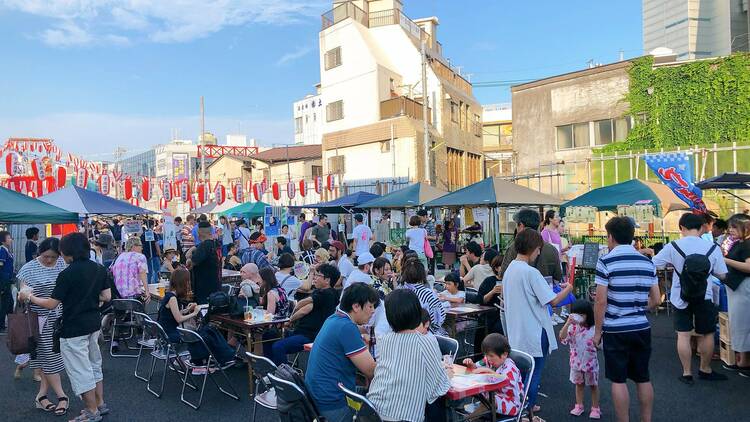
414,278
409,374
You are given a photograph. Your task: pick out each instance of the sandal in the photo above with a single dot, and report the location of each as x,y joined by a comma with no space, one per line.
61,411
39,405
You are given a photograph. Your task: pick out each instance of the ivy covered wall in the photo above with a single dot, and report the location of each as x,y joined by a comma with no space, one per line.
696,103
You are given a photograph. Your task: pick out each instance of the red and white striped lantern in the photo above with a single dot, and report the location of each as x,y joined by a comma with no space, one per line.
276,190
238,193
166,190
291,189
220,194
163,203
329,182
303,188
135,201
185,191
104,184
257,192
82,177
37,167
318,184
191,202
11,161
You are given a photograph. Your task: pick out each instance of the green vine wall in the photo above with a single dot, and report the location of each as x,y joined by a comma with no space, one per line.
696,103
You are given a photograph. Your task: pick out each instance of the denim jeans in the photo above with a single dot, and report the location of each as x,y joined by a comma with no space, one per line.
294,343
154,265
536,377
342,414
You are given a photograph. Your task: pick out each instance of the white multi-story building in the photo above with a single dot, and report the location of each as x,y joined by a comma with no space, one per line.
309,116
372,96
696,29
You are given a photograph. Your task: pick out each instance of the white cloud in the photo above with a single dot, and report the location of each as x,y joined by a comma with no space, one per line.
96,135
86,22
294,55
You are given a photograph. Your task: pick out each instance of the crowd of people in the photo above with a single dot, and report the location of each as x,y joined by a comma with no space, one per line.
372,310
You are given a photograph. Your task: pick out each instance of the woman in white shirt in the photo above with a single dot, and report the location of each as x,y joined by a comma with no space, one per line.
416,237
527,295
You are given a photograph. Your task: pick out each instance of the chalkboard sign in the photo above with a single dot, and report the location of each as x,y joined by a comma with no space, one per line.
590,255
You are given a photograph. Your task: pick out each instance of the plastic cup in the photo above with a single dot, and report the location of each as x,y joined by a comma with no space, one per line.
447,361
162,291
248,313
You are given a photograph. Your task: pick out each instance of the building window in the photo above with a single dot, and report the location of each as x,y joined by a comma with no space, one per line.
317,171
454,112
603,132
573,136
335,111
298,125
622,128
491,136
333,58
336,164
385,146
477,126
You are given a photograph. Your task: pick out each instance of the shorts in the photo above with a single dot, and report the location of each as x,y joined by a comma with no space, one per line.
626,355
590,378
83,361
701,316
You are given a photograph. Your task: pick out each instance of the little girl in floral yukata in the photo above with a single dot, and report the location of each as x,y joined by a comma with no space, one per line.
496,361
578,333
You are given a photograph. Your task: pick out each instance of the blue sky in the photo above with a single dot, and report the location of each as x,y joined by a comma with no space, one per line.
98,74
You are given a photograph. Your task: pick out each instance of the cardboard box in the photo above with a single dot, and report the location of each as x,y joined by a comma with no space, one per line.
727,354
724,327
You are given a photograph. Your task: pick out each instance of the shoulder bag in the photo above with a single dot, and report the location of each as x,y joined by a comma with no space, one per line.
23,330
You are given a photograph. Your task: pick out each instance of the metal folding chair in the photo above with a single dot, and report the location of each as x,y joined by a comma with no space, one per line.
163,350
265,396
290,393
191,337
147,341
363,409
124,321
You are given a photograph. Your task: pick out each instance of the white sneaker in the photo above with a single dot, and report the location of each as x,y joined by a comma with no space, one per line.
564,313
556,319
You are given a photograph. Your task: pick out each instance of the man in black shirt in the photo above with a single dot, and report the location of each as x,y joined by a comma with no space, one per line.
151,251
281,245
32,236
311,314
205,263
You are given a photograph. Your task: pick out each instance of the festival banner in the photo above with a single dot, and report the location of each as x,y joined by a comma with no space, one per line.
676,171
180,167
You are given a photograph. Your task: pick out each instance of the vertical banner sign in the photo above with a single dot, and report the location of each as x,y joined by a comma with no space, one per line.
272,221
180,167
170,232
676,171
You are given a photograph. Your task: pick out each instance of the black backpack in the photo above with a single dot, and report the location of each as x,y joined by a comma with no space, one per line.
694,274
222,303
301,409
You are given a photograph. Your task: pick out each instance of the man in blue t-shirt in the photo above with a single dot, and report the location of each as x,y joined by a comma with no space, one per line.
339,352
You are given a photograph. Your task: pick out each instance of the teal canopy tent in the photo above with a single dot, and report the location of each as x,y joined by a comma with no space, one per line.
345,204
411,196
18,208
493,191
247,210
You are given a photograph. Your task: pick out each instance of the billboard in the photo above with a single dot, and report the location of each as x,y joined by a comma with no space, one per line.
180,167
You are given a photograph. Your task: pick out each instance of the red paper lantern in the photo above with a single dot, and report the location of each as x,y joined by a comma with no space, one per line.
329,182
302,188
276,190
146,189
318,184
191,202
61,175
11,161
104,184
163,204
220,194
82,177
256,191
166,190
203,190
238,193
291,189
128,188
135,201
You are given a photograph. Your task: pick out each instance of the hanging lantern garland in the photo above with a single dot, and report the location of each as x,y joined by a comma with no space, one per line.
291,189
220,194
238,193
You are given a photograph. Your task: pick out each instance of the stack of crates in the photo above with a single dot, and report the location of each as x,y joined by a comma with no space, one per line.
725,342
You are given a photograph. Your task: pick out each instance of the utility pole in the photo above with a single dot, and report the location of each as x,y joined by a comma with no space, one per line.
202,143
425,115
288,175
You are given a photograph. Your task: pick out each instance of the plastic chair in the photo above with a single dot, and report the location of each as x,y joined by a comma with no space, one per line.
191,337
525,364
262,366
472,295
164,350
448,346
363,409
290,395
124,319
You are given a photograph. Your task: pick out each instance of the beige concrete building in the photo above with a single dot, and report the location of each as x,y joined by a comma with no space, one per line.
497,140
281,164
371,88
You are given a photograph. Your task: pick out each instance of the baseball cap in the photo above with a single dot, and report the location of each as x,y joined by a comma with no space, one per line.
257,237
365,258
338,245
422,213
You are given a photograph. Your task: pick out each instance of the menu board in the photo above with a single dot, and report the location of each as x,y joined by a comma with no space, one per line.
580,214
639,213
590,255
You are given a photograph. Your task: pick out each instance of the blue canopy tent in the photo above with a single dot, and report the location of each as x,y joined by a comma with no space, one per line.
345,204
86,202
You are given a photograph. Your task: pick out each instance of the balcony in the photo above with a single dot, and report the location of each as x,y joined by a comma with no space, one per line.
342,12
403,106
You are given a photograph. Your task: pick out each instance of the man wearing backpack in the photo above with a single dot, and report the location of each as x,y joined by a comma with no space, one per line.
694,260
